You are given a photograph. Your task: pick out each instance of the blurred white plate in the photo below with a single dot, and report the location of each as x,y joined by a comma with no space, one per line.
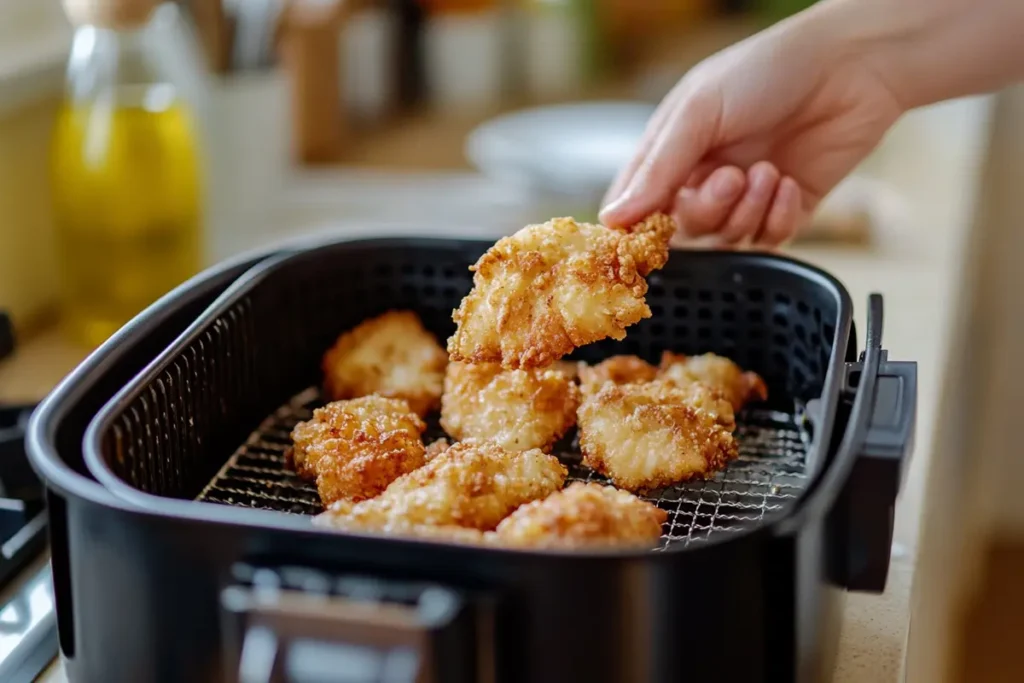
573,149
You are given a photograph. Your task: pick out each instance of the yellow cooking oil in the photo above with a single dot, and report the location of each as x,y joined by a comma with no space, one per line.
126,185
127,207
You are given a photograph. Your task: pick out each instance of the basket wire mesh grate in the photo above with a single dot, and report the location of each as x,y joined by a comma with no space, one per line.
770,472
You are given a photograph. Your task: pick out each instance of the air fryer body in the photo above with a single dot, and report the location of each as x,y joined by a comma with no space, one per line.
139,599
140,590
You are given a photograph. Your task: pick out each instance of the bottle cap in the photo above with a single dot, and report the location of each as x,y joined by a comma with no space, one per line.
116,14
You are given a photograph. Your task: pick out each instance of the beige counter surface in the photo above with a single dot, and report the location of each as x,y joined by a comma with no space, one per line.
929,167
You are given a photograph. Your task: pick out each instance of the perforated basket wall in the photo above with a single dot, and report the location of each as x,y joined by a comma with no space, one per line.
262,342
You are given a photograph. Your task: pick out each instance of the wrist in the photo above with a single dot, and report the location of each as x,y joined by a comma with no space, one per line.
871,36
926,51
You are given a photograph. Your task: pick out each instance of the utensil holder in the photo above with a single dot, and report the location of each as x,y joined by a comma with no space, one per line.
249,158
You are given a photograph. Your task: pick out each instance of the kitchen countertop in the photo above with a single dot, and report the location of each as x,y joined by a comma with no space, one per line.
929,165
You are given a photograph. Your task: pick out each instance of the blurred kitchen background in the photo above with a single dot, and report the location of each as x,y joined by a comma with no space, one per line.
268,120
320,115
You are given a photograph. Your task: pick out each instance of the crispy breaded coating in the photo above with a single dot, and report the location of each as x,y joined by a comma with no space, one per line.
634,370
616,369
391,355
356,448
471,484
567,367
516,409
582,516
646,436
436,448
717,372
552,287
709,400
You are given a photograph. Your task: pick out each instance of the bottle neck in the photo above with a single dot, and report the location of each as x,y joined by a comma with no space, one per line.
108,63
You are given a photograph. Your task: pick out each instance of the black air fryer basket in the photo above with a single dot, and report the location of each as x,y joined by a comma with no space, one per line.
207,544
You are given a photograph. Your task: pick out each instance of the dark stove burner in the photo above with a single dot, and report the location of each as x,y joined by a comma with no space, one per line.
22,513
28,632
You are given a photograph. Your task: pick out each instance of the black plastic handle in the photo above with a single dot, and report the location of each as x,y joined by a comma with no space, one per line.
861,522
858,490
297,625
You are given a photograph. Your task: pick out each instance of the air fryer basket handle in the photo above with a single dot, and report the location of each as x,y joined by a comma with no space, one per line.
290,635
861,522
857,493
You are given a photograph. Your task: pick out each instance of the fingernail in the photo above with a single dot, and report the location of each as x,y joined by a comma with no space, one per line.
762,181
611,209
726,186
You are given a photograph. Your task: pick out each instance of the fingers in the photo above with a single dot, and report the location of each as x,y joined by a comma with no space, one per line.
651,133
677,148
702,211
757,209
751,210
785,216
701,173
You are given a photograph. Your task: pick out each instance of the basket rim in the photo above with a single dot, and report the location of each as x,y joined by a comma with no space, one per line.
247,282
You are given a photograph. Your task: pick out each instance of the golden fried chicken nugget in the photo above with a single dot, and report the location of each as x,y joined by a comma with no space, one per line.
356,448
391,355
516,409
646,436
567,367
583,516
617,370
715,371
552,287
471,484
436,448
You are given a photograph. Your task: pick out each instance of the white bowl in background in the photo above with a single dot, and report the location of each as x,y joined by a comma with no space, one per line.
567,154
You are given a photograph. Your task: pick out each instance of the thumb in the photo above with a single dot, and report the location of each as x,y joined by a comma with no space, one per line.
665,169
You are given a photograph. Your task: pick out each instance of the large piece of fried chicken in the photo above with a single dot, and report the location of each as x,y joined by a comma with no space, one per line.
646,436
581,516
516,409
717,372
354,449
471,484
391,355
552,287
622,370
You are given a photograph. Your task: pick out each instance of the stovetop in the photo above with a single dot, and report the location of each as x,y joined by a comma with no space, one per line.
22,509
28,636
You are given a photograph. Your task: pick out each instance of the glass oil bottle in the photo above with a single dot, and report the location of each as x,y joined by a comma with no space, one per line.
126,172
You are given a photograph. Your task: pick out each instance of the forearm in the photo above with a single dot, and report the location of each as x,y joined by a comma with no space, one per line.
929,50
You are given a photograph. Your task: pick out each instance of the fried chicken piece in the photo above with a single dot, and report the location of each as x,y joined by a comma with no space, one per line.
625,369
715,371
616,369
356,448
582,516
646,436
567,368
708,400
391,355
436,448
552,287
516,409
471,484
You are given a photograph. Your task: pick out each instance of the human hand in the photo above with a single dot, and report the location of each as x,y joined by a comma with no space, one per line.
750,140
